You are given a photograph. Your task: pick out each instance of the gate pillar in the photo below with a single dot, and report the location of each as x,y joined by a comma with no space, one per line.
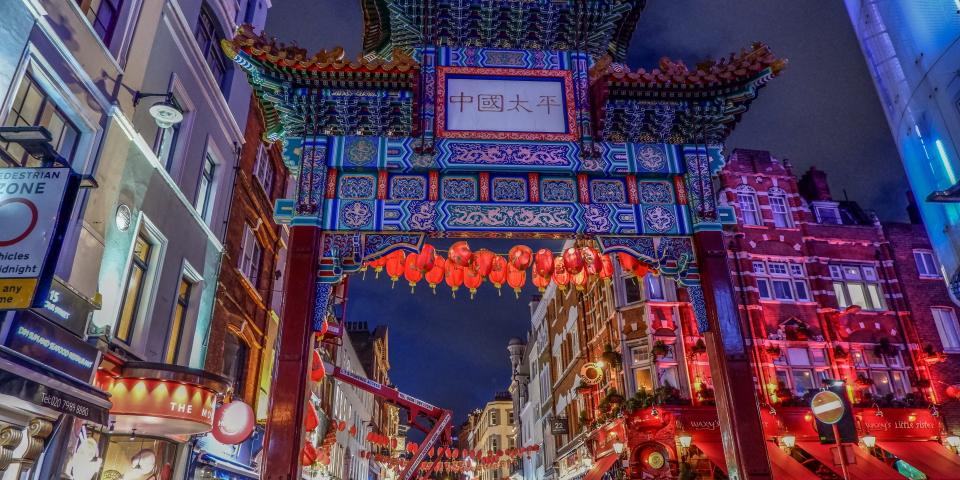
288,393
734,390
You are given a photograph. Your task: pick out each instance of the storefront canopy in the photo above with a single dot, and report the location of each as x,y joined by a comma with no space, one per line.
929,457
601,467
866,467
785,466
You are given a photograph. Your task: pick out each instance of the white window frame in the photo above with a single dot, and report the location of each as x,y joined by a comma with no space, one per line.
767,273
748,196
834,211
948,328
842,279
207,195
251,256
151,283
263,169
817,370
884,366
781,211
927,265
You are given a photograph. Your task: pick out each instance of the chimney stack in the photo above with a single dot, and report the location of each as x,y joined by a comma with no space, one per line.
814,187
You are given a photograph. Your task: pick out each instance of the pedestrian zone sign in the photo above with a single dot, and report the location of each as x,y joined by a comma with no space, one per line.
30,201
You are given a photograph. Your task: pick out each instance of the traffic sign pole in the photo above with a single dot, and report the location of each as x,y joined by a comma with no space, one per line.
840,452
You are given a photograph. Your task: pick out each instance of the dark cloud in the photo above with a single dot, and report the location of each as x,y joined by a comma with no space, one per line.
822,111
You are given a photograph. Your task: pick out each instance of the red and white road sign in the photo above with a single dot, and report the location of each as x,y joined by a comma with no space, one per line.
827,407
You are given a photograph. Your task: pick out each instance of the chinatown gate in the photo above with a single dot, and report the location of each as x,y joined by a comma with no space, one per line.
502,118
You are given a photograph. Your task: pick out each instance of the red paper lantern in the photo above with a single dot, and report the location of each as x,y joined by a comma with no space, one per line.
453,274
581,279
953,391
435,275
541,282
560,275
627,261
233,423
395,265
591,260
573,260
606,273
498,274
460,253
641,270
317,371
483,261
543,263
516,278
377,265
427,258
353,430
520,256
472,280
312,419
411,270
308,454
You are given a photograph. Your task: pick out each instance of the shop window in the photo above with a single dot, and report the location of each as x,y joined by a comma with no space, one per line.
781,281
209,36
178,320
857,285
133,298
205,188
102,15
780,209
235,356
263,170
33,107
946,321
138,457
250,256
926,264
747,199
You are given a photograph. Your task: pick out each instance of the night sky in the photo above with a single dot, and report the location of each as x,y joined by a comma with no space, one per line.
823,110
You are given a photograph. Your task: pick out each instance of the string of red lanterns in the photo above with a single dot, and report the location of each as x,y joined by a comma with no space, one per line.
576,266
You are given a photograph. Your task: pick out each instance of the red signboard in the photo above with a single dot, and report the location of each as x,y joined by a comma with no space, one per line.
899,423
183,407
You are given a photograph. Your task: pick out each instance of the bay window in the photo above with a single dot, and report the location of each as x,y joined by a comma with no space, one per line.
857,285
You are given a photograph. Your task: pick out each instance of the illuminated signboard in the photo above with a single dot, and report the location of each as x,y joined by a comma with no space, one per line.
504,103
30,200
161,407
50,345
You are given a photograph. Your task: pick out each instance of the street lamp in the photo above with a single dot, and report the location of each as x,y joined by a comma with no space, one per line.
869,440
618,447
166,113
789,440
685,439
34,140
953,441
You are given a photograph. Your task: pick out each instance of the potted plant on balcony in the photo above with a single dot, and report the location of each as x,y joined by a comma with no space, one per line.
931,356
774,352
698,348
885,348
660,349
611,357
839,352
864,381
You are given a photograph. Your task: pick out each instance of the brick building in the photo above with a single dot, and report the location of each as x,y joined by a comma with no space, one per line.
248,297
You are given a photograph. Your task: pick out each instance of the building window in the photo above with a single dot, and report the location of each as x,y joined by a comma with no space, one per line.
263,170
653,285
103,15
235,355
494,417
857,285
631,285
781,209
178,320
801,370
782,281
509,417
926,264
886,372
828,214
205,189
747,199
165,145
946,320
208,38
494,443
133,293
250,256
643,379
33,107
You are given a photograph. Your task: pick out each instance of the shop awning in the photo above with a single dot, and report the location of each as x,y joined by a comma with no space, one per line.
929,457
867,467
784,466
601,467
714,451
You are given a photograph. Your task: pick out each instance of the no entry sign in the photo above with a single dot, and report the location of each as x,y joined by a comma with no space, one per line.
30,200
827,407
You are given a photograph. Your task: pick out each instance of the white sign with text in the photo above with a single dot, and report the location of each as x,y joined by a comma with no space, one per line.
502,104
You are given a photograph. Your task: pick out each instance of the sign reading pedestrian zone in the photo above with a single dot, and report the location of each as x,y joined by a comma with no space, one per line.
827,407
30,200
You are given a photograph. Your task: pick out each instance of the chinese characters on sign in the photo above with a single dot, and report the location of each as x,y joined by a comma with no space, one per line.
506,106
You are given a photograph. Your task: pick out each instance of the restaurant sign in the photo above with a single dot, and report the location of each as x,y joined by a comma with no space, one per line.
35,337
900,423
505,103
161,407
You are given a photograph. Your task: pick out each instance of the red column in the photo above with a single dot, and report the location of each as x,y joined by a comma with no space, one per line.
288,394
737,407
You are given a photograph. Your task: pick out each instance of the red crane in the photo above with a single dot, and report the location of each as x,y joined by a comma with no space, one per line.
438,432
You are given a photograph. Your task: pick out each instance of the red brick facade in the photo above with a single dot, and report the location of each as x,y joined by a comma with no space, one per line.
243,304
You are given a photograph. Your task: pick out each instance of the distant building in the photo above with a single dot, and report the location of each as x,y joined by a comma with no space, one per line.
912,52
491,432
